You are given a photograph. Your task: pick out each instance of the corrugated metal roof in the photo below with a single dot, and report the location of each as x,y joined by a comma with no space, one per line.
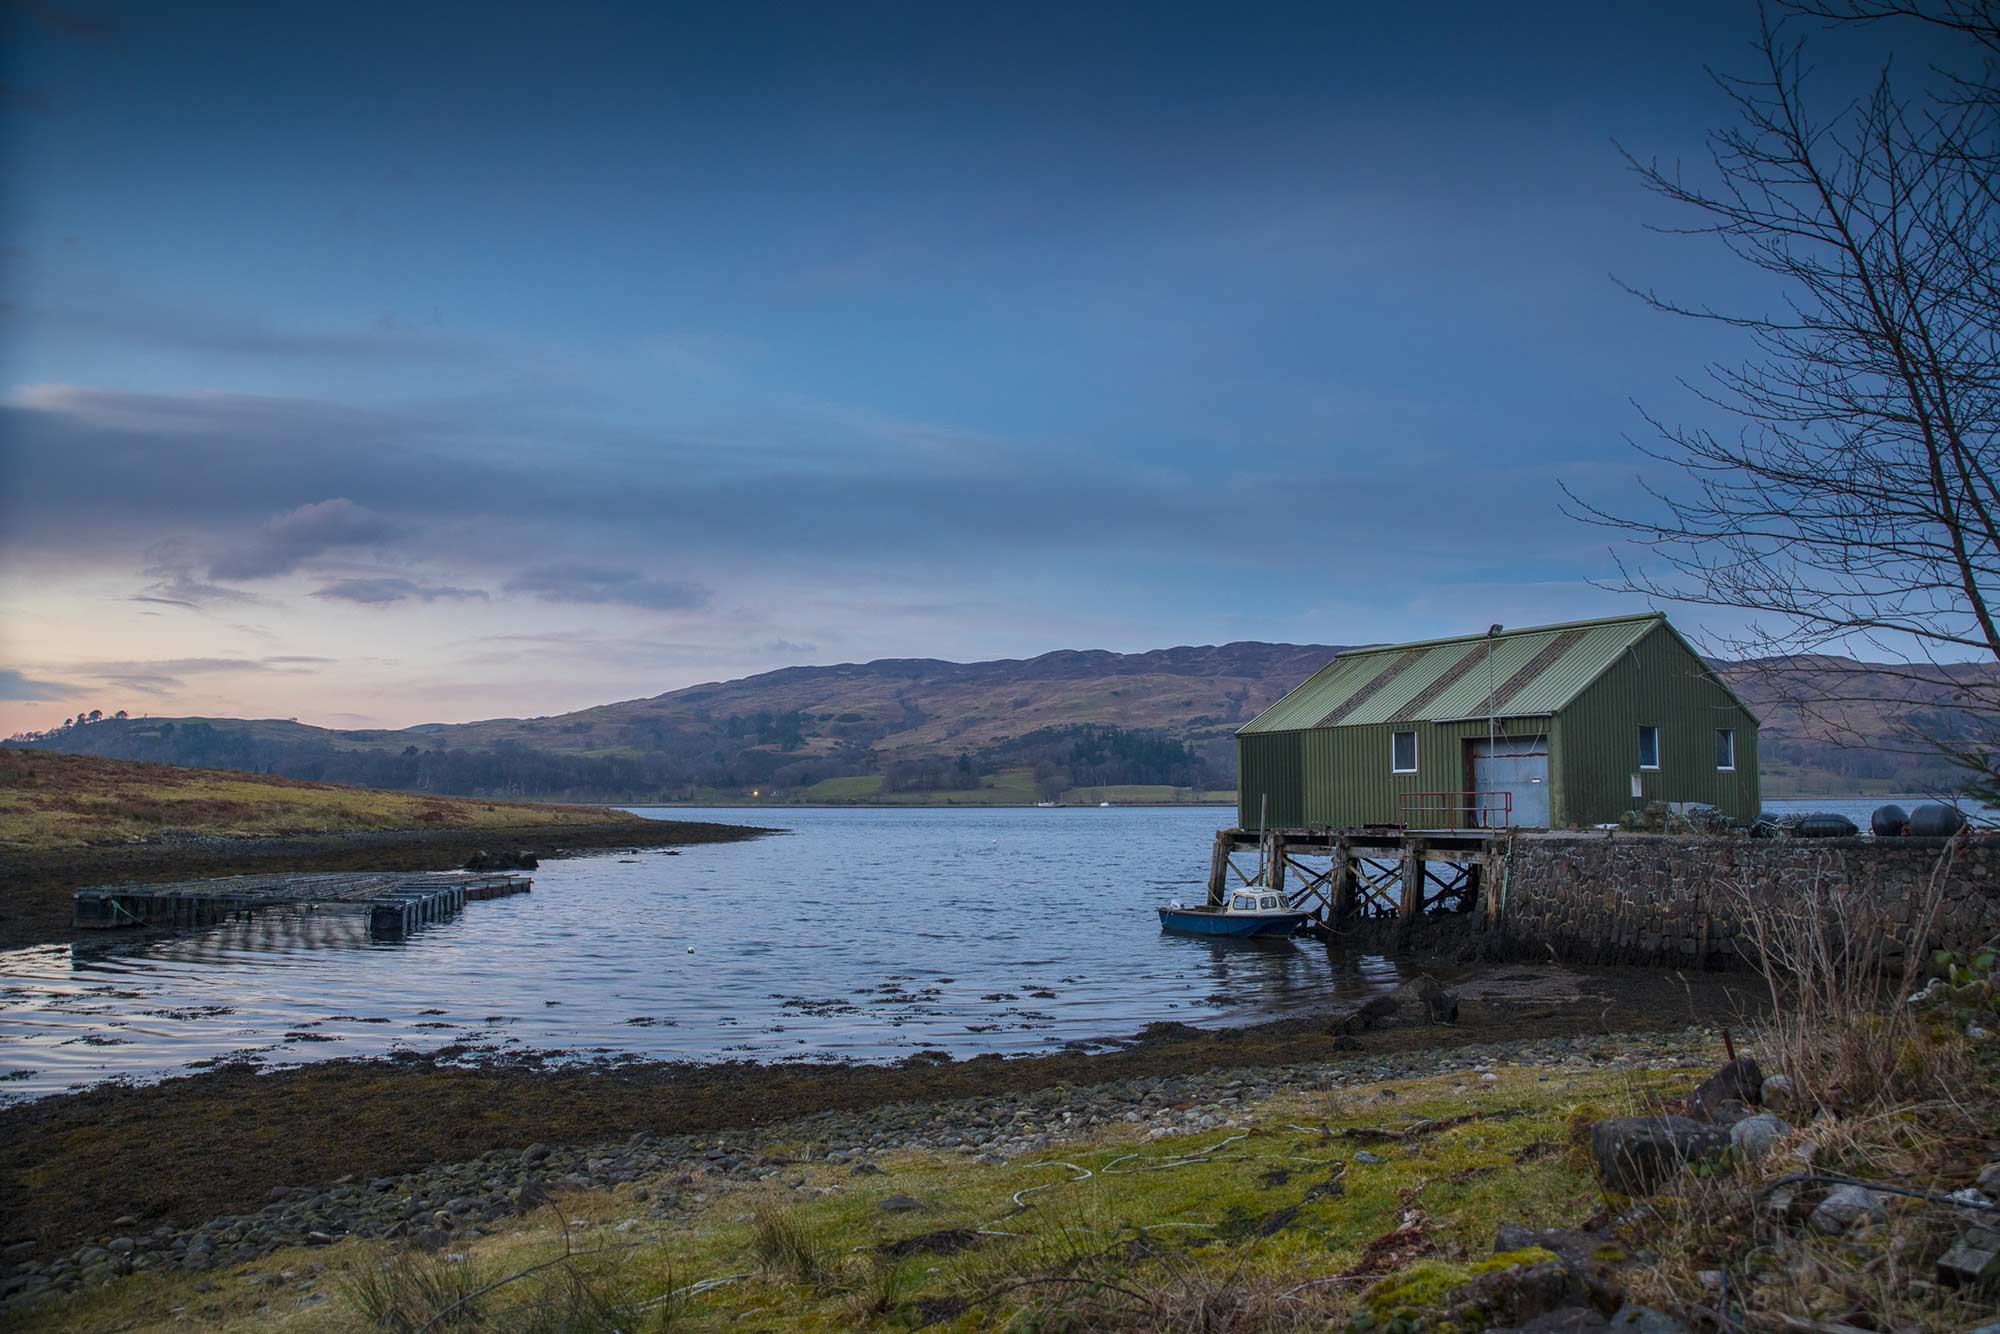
1533,671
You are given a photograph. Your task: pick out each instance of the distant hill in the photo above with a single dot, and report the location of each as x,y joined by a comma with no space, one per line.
915,728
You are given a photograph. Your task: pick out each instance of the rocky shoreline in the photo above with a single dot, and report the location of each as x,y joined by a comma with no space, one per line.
666,1174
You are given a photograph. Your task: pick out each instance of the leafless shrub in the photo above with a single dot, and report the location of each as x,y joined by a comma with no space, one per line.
1837,961
1881,1093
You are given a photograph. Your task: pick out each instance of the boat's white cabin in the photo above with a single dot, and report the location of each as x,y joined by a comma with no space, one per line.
1256,901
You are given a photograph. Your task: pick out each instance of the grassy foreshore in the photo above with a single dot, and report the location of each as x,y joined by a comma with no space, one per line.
1401,1191
1124,1205
218,1142
73,820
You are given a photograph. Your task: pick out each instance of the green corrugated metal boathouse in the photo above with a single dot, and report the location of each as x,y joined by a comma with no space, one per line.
1587,720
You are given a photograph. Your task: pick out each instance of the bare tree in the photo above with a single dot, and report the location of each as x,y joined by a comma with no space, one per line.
1854,508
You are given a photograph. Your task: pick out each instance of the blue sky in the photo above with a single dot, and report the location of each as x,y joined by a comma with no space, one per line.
376,366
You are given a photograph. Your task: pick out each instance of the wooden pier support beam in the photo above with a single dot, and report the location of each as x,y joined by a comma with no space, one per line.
1412,905
1343,884
1218,868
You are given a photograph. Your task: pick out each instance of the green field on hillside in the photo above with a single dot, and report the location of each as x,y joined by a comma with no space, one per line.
1139,794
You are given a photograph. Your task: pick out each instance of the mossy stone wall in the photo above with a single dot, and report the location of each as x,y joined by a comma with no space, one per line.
1682,900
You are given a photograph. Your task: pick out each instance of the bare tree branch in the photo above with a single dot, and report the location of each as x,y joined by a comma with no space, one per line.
1856,506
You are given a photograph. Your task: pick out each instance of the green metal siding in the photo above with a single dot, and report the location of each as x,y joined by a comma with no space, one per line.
1348,780
1267,764
1659,682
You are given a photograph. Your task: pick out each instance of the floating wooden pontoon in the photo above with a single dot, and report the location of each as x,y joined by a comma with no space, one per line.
397,902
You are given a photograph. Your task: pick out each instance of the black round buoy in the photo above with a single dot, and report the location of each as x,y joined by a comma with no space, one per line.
1821,824
1889,821
1932,820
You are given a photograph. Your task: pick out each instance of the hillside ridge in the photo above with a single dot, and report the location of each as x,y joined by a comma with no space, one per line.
901,726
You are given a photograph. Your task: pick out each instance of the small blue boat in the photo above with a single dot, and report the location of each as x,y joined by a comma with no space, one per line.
1251,911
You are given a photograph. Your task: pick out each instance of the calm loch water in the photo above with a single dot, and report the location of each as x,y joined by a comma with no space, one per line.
860,934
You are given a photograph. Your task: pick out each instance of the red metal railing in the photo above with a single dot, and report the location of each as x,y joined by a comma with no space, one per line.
1455,810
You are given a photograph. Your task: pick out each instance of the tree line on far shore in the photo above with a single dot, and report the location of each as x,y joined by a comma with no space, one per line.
737,755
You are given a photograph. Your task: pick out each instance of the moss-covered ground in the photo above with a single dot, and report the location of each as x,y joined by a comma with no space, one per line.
1278,1220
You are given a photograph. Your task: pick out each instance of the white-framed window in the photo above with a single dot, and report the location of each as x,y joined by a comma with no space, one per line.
1268,901
1649,746
1402,752
1725,748
1244,903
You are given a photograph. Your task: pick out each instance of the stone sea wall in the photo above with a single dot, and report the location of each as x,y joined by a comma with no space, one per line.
1682,900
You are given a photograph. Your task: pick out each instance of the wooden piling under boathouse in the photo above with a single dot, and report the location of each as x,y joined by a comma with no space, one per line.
396,902
1343,876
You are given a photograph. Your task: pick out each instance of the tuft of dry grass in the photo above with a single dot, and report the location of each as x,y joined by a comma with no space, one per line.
411,1290
788,1247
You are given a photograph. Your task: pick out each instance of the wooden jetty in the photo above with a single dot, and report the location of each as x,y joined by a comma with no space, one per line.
396,902
1371,871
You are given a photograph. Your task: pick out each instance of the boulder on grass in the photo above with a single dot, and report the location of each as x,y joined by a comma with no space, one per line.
1424,999
1592,1259
1635,1154
1645,1320
1754,1136
1569,1320
1738,1082
1973,1260
1371,1013
1845,1207
1515,1295
1421,1000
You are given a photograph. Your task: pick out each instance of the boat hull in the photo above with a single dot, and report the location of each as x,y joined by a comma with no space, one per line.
1210,922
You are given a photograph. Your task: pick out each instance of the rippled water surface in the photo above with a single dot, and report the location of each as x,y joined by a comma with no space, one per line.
864,934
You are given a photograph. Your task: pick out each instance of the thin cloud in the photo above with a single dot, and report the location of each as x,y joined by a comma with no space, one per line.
387,591
291,539
175,584
15,687
608,585
387,340
159,676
